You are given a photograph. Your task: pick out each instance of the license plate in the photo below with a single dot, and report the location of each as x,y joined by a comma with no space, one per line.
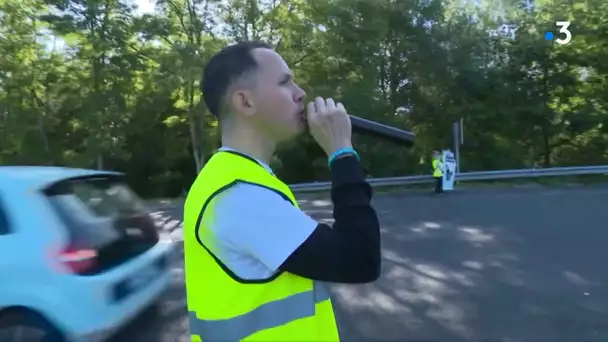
142,278
139,280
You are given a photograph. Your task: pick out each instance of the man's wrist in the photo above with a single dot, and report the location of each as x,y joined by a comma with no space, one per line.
340,153
339,146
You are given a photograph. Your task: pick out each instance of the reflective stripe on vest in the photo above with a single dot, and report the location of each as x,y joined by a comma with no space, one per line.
267,316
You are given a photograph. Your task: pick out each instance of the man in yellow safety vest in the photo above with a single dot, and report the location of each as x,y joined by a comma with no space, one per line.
256,266
437,172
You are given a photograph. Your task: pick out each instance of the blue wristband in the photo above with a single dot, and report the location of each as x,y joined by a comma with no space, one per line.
342,151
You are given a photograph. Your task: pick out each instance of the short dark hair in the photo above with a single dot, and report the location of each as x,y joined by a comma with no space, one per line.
224,68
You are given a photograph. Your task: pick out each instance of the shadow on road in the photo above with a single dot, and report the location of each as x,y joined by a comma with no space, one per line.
512,265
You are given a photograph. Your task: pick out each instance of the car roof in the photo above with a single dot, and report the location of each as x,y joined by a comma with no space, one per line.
38,177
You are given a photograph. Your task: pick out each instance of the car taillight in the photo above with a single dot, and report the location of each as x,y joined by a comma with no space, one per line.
78,260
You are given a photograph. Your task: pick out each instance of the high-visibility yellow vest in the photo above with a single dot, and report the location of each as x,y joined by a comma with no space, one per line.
436,169
223,307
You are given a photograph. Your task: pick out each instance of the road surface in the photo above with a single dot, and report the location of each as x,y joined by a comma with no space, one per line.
497,264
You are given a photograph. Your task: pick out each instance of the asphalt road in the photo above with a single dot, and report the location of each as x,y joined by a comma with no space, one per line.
509,265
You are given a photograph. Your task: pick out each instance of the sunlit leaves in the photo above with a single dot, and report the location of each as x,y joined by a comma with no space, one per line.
122,88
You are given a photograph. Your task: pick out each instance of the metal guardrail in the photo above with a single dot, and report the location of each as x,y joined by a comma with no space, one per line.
467,176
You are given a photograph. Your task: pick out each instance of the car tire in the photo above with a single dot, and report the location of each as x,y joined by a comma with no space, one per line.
23,325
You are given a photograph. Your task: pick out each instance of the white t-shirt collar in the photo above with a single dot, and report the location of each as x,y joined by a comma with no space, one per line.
264,165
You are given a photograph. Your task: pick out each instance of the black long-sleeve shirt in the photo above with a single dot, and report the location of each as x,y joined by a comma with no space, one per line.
348,252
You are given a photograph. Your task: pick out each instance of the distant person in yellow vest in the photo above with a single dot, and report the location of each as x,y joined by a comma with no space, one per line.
438,172
256,266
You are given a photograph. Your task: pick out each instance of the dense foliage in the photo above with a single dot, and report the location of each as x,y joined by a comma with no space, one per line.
100,84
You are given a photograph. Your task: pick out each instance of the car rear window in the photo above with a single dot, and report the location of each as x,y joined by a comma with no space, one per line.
91,207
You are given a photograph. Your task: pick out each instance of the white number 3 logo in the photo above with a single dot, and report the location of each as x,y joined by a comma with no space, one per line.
563,28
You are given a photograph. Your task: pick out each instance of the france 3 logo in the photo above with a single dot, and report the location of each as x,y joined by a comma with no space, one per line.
564,36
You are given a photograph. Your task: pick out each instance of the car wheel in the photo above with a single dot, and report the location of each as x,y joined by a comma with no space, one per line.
22,325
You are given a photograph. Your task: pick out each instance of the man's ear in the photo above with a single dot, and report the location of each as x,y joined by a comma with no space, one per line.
243,102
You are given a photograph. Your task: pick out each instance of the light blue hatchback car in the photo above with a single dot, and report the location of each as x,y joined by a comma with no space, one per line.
80,255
